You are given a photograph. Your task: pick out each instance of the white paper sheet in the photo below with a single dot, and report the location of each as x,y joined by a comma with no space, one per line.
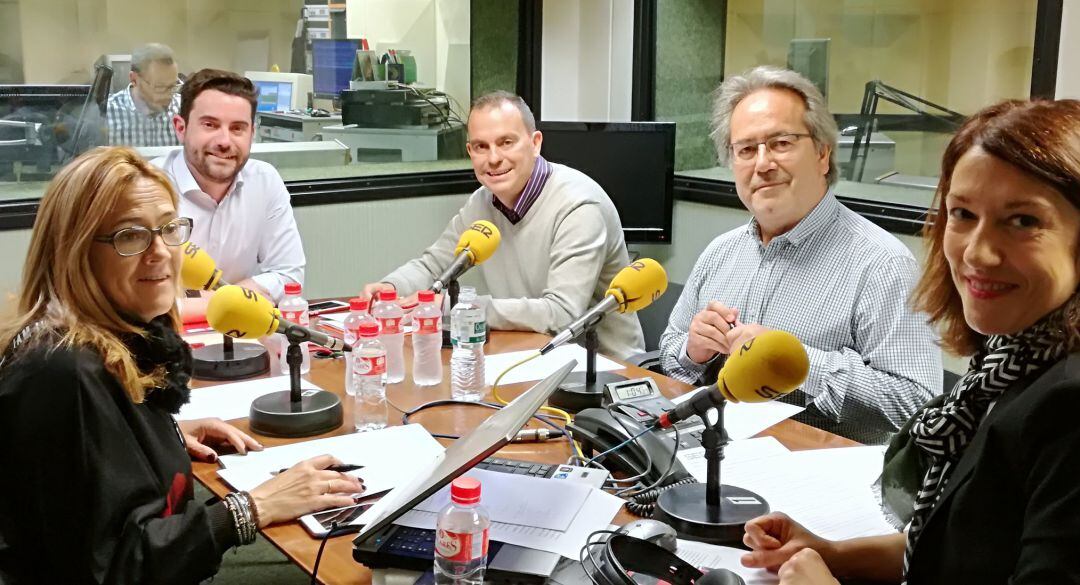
735,451
703,555
744,420
595,514
399,445
540,367
829,491
520,499
229,401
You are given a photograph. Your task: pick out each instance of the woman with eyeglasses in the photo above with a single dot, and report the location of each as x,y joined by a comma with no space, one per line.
96,483
984,477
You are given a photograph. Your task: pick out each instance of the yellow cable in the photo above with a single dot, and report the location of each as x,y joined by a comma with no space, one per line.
549,409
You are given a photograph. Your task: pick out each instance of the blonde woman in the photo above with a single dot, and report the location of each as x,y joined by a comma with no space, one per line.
97,484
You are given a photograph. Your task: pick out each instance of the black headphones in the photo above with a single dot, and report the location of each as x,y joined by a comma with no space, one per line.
609,557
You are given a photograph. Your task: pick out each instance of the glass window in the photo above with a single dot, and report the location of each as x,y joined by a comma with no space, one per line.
409,64
899,75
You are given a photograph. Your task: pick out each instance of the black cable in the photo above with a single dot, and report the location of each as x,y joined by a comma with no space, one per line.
318,557
644,504
585,552
405,414
671,465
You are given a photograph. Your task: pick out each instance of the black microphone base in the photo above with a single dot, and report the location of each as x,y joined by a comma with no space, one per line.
244,360
575,395
683,508
275,414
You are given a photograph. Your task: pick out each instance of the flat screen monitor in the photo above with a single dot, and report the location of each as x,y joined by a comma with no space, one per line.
279,92
633,161
332,64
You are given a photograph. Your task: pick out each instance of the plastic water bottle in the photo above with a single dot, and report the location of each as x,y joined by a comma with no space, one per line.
427,341
468,332
358,315
369,376
389,314
461,540
294,308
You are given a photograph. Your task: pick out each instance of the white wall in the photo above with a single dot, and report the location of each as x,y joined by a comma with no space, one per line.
587,60
1068,73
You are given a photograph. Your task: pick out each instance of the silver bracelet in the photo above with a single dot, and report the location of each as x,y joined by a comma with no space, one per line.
246,529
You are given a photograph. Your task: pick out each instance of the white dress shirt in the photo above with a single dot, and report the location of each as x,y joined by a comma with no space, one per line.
252,233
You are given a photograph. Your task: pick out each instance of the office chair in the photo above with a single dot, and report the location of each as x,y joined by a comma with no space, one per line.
654,320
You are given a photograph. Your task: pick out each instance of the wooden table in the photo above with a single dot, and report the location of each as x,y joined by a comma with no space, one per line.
337,565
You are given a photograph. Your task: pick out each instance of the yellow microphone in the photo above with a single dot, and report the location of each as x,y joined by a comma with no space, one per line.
198,270
244,314
475,246
765,368
633,288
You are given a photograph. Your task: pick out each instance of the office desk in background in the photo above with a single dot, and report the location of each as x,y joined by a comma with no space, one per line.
337,565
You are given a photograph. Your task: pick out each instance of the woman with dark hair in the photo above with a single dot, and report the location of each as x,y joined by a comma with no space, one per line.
989,470
96,484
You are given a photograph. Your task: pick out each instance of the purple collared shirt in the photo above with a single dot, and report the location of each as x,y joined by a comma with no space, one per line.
540,173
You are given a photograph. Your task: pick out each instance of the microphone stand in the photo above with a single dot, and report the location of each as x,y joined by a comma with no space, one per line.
295,412
710,512
581,390
225,361
453,289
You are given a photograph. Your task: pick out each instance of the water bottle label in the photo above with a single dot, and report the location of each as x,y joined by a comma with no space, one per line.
475,332
296,317
391,326
365,365
461,546
428,325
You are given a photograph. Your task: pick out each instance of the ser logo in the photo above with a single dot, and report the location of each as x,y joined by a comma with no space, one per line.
250,295
236,333
191,250
767,393
637,265
483,229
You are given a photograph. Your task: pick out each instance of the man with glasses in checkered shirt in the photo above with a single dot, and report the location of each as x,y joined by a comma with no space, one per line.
141,114
804,264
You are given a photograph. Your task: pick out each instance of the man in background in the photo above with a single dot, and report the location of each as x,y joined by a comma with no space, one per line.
807,265
562,241
241,210
141,114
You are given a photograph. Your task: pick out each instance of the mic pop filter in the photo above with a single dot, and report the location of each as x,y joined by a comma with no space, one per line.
638,285
768,366
479,241
198,271
241,313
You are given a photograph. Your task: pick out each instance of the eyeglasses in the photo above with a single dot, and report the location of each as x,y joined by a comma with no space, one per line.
169,88
777,145
132,241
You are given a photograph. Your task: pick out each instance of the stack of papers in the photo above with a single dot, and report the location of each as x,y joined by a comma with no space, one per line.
542,514
413,450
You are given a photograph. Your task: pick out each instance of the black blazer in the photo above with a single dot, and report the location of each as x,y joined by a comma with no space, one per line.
1010,513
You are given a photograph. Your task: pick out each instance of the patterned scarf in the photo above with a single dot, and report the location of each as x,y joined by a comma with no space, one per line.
944,432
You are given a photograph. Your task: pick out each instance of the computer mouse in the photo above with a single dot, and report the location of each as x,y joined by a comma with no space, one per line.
653,531
720,577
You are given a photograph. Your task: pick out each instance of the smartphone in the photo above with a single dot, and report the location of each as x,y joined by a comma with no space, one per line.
323,307
319,523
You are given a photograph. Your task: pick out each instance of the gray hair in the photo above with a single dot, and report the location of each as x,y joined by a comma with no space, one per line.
499,97
818,120
143,56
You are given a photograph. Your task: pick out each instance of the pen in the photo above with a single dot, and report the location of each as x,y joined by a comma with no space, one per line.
345,467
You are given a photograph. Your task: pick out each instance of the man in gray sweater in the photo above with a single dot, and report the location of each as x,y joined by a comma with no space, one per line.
562,240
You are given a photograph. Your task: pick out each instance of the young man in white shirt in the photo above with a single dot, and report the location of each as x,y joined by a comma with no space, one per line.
242,213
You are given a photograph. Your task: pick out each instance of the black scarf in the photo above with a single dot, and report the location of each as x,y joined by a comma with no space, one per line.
160,346
942,433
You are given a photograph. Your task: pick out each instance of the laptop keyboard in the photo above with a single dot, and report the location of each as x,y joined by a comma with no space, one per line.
515,467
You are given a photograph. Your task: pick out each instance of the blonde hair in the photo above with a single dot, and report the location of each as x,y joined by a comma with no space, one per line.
60,291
